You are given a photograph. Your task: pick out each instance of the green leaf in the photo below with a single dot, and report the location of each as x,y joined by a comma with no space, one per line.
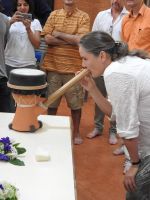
13,198
16,144
20,150
17,162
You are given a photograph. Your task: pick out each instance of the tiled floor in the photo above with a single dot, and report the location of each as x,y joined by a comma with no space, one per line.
98,173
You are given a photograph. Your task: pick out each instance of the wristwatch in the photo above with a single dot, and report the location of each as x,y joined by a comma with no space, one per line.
136,163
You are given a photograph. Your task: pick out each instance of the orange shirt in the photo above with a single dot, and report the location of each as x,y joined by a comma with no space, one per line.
136,30
65,58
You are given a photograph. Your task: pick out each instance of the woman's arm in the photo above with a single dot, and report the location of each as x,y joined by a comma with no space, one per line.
89,84
129,180
34,37
15,18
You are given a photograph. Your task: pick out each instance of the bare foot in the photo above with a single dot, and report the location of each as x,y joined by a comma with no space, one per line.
78,140
113,139
118,151
93,134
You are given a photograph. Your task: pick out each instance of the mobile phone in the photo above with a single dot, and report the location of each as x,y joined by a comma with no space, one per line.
26,15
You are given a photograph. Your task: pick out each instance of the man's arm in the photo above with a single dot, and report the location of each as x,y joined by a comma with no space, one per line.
68,38
48,29
51,40
73,39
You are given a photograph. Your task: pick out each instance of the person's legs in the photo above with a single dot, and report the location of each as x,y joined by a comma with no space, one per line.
54,83
99,115
76,117
112,133
142,182
75,97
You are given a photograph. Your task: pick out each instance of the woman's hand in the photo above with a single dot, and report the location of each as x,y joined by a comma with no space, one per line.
129,180
27,23
16,18
88,83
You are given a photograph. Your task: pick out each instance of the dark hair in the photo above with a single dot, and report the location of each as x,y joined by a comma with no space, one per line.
97,41
1,7
31,7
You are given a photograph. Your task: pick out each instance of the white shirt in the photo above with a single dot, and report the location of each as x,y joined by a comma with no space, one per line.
104,22
128,85
19,51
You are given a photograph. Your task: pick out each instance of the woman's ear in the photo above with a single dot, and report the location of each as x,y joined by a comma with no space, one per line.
103,56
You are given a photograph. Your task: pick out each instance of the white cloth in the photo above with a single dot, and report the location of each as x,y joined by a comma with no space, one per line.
104,22
19,51
128,85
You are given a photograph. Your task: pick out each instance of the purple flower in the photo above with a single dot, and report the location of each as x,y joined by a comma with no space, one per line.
7,148
4,157
1,187
5,140
7,144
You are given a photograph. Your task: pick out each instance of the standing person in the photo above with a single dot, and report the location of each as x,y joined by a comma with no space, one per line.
41,9
136,26
24,37
62,32
127,80
4,90
108,21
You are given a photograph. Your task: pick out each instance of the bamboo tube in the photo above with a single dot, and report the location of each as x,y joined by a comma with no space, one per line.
65,87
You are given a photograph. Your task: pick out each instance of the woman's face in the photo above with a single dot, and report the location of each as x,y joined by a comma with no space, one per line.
93,63
22,6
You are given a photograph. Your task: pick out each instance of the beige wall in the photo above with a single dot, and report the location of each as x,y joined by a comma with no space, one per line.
92,7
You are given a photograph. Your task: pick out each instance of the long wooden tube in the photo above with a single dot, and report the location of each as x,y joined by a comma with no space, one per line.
65,87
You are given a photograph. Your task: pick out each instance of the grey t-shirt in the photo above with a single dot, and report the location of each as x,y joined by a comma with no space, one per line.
4,27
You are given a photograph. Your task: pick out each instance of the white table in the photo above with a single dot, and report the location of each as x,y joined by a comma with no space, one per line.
51,180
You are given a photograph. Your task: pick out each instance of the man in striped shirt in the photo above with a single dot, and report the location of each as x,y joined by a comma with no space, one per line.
62,33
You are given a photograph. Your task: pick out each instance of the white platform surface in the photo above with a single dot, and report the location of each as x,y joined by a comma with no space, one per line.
50,180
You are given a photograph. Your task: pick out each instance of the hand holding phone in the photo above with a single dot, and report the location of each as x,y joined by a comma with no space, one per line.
25,15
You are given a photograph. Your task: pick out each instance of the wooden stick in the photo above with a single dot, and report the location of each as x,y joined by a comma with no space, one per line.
65,87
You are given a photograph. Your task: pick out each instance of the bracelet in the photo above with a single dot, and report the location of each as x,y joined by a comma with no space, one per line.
136,163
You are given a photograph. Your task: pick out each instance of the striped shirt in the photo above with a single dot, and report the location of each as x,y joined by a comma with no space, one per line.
65,58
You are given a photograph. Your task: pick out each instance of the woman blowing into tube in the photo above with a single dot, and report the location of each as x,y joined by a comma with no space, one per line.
127,80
